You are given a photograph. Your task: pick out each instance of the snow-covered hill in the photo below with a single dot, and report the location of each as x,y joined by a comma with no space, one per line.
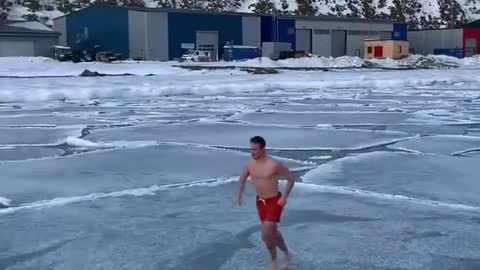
420,14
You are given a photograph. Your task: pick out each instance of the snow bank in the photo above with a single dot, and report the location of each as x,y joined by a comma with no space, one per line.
4,202
42,66
205,86
207,83
308,62
344,61
77,142
47,67
411,62
470,61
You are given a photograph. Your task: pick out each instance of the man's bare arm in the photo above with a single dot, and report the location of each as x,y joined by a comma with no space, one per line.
242,179
285,172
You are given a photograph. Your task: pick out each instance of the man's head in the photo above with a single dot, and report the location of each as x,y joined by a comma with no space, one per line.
257,147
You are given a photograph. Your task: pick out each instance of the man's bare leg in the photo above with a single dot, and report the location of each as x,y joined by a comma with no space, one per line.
269,237
283,247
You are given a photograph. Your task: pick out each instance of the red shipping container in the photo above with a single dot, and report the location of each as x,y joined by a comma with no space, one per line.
471,41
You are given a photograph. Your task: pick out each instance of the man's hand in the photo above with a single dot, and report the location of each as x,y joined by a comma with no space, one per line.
239,199
291,182
282,201
242,179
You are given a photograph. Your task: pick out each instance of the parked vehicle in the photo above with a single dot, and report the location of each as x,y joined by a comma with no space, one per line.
197,56
62,53
105,57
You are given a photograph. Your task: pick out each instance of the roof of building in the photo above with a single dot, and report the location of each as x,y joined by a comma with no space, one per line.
18,28
474,24
383,39
279,16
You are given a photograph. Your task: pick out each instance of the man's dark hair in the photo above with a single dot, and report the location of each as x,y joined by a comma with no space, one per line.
258,140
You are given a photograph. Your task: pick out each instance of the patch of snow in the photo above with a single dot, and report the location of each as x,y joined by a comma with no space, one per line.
77,142
4,202
430,7
50,15
470,61
150,3
321,157
33,25
16,13
245,6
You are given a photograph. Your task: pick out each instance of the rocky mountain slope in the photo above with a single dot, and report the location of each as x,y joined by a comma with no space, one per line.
420,14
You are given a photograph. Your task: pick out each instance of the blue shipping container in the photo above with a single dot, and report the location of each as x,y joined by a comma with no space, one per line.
400,31
231,53
455,52
277,30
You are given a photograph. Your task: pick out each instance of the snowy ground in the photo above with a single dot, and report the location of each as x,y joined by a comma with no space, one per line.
139,172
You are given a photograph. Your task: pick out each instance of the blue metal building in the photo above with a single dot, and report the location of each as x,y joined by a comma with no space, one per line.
166,34
157,34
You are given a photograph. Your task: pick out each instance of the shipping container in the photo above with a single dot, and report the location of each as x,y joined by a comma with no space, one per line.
240,52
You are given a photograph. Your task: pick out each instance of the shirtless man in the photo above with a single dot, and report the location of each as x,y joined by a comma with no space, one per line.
265,173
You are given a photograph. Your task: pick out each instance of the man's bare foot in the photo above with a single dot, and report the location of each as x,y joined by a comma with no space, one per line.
273,266
286,260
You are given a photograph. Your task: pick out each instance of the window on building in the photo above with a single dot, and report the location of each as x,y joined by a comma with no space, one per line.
369,50
321,31
362,33
400,48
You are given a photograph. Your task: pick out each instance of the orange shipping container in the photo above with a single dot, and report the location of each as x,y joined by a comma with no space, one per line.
395,49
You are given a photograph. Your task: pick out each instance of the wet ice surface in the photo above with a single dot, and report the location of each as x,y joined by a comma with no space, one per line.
332,118
443,145
43,120
35,136
23,153
440,178
140,172
119,169
202,228
233,135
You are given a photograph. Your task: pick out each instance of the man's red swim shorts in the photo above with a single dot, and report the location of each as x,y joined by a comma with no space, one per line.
269,209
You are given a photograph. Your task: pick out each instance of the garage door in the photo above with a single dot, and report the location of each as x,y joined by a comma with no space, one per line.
470,47
339,43
304,40
17,48
208,41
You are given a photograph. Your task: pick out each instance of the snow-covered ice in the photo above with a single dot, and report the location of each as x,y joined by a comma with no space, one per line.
141,172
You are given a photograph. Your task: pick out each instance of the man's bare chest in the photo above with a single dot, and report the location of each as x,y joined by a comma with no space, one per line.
263,174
